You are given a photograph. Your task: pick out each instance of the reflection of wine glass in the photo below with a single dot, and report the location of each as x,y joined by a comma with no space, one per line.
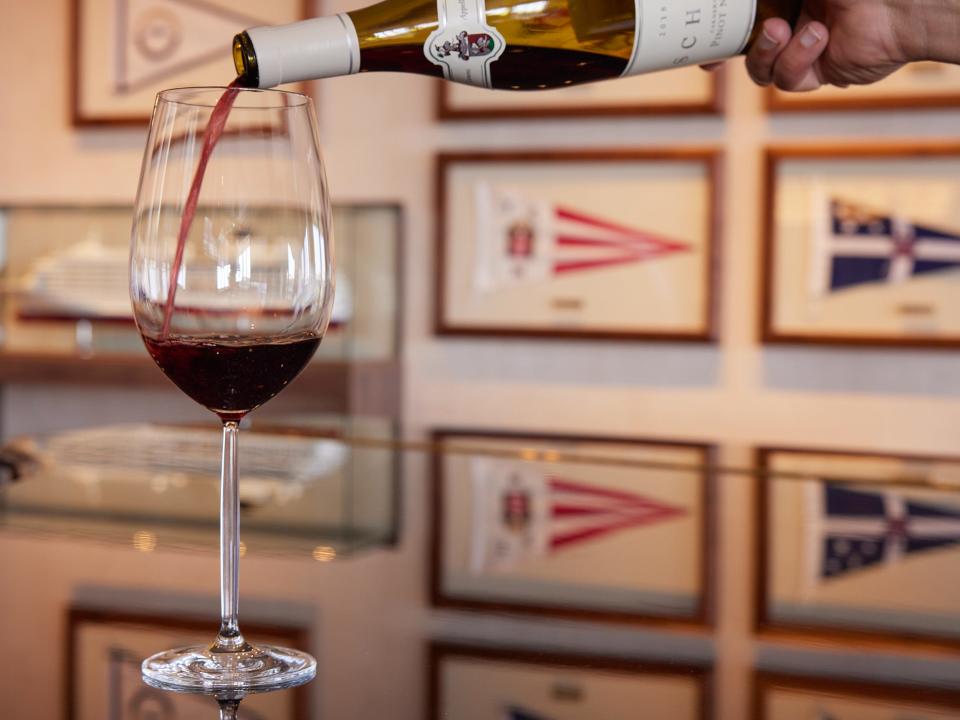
234,312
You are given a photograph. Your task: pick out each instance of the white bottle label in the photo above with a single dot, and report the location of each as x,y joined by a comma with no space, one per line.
672,33
669,33
463,44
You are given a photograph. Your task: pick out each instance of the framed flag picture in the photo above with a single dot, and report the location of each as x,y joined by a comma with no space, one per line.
615,245
916,86
679,92
480,683
126,51
856,545
106,647
862,246
789,697
573,528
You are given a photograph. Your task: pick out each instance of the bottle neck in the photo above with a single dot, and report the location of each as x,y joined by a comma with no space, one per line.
392,34
395,23
318,48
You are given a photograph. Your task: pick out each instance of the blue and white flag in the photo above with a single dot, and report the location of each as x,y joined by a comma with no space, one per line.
858,246
861,529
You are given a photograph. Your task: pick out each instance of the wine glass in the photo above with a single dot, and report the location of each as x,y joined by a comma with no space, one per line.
231,302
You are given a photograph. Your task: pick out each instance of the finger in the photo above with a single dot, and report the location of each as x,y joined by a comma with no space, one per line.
712,67
773,37
795,68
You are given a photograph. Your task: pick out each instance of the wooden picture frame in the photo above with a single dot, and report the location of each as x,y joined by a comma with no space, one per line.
577,671
917,86
122,56
573,233
121,664
854,238
842,587
533,575
823,691
688,91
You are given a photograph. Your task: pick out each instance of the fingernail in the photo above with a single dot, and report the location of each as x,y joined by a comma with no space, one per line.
766,41
809,37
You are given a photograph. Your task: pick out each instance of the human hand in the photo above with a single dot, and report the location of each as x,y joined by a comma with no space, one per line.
852,42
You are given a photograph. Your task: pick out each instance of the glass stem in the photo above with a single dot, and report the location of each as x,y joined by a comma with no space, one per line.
229,639
229,709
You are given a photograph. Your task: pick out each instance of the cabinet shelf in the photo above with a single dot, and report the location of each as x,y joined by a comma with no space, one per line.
359,387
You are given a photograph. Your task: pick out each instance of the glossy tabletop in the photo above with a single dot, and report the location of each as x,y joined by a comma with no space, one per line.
481,575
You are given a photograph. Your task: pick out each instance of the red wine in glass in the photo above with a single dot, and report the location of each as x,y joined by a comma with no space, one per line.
232,376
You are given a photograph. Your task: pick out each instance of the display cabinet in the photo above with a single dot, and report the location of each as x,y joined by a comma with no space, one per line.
307,494
67,317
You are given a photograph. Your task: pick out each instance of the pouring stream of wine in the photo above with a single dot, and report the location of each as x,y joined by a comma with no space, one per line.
211,136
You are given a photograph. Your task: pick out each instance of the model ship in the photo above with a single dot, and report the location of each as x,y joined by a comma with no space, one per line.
89,280
126,458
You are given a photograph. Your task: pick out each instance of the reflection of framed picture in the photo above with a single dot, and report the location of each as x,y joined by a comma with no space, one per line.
684,91
127,51
485,684
915,86
786,697
104,652
570,533
855,545
862,246
604,245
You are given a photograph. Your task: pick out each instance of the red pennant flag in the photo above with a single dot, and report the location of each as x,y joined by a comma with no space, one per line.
522,240
520,513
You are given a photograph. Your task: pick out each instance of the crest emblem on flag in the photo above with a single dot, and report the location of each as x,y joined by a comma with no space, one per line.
856,530
521,514
857,246
522,240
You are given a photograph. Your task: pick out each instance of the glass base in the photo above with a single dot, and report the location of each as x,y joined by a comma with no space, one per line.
198,670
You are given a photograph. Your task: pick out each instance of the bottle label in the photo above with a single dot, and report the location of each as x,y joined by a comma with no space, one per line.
672,33
463,44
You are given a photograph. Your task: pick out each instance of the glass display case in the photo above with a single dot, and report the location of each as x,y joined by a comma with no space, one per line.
156,486
66,314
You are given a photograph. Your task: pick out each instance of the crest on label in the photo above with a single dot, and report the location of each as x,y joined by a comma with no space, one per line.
464,45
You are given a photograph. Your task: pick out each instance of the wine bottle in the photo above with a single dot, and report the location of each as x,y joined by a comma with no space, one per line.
506,44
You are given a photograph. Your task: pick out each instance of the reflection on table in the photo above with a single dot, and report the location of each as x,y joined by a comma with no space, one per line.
480,575
157,487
